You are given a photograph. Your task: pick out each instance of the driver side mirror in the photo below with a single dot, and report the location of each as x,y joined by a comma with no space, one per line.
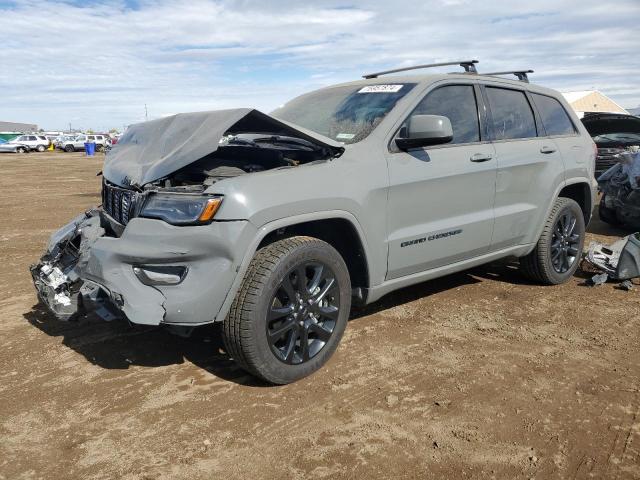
425,130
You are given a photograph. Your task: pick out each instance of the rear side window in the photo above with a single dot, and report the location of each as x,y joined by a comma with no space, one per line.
512,114
554,116
458,103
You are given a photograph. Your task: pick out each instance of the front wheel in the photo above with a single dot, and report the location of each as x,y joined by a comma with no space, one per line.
557,254
69,148
40,148
291,310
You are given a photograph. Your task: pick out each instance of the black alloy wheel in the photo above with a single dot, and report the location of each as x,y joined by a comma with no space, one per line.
303,313
565,242
289,315
557,253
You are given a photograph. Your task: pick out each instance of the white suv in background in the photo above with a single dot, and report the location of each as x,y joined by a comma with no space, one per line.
33,141
77,143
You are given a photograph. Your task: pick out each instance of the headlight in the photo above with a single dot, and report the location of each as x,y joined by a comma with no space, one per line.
181,209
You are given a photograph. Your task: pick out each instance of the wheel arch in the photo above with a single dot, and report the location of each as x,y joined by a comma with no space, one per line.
576,188
338,232
338,228
580,192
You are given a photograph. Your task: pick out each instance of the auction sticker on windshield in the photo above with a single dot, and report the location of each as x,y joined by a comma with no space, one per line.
380,89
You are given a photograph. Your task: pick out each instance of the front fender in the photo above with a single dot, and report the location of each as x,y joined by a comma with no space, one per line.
280,223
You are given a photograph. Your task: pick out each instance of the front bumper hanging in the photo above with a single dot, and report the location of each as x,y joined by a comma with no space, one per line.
57,277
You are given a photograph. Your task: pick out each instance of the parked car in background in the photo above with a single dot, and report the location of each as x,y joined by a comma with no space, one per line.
11,147
74,144
614,134
65,142
32,141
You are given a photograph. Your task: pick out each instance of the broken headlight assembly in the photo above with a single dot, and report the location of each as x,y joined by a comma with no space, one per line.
181,208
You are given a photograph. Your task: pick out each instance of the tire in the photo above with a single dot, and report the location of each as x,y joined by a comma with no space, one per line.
606,214
544,264
21,150
99,147
69,148
273,349
40,148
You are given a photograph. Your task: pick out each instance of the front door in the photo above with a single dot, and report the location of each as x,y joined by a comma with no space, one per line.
440,208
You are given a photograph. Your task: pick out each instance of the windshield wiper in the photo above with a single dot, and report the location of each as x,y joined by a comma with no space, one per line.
286,140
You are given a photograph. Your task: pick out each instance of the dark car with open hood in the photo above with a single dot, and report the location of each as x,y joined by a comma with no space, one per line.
614,134
273,225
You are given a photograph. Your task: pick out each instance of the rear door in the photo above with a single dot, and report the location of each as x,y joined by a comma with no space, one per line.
440,207
528,164
559,128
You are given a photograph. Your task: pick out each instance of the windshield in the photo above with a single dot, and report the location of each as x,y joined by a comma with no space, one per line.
617,137
346,114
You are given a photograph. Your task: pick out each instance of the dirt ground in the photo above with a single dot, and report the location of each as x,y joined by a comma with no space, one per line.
476,375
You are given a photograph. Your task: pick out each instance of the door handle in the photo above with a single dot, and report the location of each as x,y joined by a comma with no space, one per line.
546,149
481,157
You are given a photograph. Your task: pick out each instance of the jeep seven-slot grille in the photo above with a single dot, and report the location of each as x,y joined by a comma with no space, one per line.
118,202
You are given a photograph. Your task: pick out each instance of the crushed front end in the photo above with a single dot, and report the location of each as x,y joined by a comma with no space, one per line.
58,275
155,252
620,186
147,271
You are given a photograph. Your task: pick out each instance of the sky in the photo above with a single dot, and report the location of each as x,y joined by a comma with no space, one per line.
96,64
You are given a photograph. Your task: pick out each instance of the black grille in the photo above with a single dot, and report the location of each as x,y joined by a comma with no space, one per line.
118,202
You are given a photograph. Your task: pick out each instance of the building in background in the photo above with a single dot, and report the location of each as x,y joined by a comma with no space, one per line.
8,130
592,101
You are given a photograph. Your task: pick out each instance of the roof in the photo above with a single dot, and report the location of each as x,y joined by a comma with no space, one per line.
592,101
431,78
18,127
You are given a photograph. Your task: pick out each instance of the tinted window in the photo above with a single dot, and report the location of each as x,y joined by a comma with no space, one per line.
512,114
554,116
458,103
33,138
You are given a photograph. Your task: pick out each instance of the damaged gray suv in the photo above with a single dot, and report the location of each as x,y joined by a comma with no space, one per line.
276,224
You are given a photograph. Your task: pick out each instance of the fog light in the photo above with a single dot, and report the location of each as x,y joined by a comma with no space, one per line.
160,274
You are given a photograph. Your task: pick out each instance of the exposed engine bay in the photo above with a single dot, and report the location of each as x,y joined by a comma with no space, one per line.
242,154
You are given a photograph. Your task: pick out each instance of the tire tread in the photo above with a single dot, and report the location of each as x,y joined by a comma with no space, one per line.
238,340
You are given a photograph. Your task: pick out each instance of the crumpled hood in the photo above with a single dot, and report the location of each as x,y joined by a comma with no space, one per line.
152,150
603,123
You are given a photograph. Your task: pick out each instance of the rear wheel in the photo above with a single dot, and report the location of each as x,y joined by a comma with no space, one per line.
291,310
69,148
21,150
558,251
40,148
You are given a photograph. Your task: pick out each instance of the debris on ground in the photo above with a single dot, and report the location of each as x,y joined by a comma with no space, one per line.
619,261
599,279
627,285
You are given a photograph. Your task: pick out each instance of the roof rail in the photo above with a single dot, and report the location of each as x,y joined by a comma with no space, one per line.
521,74
468,65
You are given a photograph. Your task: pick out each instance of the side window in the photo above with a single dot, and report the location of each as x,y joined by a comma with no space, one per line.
33,139
555,119
512,114
458,103
21,139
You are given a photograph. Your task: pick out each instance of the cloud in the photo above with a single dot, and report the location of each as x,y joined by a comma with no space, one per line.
98,63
